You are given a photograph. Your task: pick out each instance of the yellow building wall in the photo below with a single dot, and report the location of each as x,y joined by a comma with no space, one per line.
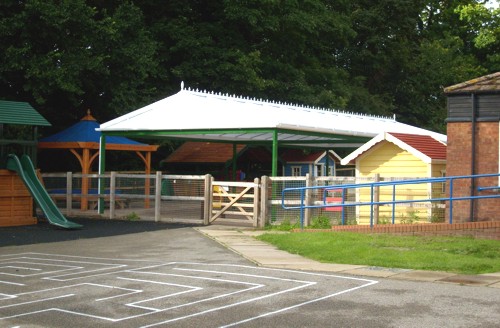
390,161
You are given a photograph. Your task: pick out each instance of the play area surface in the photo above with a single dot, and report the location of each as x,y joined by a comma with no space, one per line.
145,274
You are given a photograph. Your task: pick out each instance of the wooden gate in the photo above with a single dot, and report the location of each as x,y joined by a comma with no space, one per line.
235,202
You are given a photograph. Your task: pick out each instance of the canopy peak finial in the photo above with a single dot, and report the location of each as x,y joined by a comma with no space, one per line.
88,117
182,85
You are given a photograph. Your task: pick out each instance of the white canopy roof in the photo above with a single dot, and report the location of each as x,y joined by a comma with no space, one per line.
198,115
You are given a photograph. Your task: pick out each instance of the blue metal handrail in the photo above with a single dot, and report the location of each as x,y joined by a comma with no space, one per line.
392,202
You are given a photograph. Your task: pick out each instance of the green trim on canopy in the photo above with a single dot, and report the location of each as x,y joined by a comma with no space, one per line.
252,136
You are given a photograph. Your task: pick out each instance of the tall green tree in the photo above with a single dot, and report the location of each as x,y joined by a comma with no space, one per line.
484,24
67,56
282,50
405,52
373,56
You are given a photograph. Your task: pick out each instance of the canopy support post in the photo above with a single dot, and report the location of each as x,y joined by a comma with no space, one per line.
235,157
85,179
274,170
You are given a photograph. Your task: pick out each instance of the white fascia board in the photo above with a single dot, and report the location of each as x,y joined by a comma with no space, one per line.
424,158
390,138
319,158
330,152
335,155
365,147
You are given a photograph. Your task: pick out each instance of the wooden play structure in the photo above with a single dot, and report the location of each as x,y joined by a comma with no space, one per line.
16,203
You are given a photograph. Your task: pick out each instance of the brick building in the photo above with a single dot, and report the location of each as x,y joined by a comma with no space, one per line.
473,145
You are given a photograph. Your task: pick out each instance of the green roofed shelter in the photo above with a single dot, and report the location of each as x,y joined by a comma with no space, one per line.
207,116
21,113
12,115
214,117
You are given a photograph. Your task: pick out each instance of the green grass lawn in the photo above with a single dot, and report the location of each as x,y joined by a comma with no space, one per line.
464,255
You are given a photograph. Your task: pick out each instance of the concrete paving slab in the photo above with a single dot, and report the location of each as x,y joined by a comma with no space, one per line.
244,243
260,232
421,275
494,274
263,249
239,241
324,267
220,233
496,285
277,256
471,280
375,272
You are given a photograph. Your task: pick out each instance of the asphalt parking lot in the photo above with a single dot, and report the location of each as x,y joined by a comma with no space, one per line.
146,274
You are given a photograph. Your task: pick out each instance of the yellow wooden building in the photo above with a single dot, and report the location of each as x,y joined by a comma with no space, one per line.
400,156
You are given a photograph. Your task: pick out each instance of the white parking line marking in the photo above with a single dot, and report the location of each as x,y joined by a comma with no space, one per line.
11,283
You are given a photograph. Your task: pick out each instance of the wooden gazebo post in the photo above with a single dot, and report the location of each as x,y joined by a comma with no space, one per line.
147,183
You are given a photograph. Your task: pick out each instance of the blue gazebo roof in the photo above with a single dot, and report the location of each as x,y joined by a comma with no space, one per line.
85,131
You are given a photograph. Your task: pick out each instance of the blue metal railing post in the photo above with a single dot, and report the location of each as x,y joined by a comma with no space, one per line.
302,208
371,205
393,204
450,220
342,215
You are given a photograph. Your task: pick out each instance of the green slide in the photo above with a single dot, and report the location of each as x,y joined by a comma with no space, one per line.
26,171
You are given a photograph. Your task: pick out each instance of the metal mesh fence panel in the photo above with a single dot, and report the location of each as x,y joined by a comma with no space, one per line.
182,198
412,212
129,196
278,215
334,213
55,184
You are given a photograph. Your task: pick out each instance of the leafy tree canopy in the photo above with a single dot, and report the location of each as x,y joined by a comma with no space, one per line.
373,56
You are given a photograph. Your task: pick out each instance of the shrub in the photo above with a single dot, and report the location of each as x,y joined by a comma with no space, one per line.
321,222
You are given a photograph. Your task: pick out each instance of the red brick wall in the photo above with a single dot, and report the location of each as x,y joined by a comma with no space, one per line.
459,163
488,230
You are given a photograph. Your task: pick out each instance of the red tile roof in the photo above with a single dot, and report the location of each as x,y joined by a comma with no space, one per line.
203,152
424,144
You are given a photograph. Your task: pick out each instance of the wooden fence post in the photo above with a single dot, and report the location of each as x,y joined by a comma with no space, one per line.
256,203
69,192
207,208
112,195
157,196
264,201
